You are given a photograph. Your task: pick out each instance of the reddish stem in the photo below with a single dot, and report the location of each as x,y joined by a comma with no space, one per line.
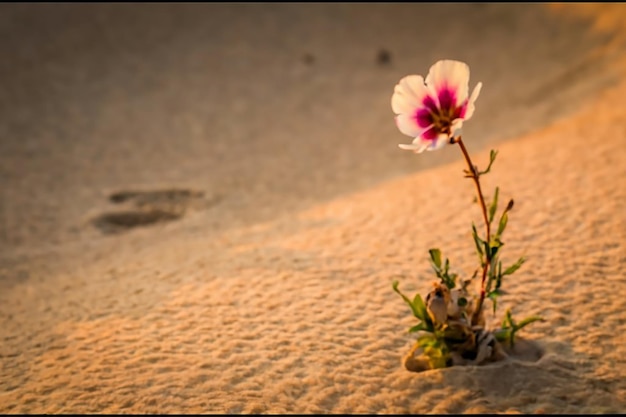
473,171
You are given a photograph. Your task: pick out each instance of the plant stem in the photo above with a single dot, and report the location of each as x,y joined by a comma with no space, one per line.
474,175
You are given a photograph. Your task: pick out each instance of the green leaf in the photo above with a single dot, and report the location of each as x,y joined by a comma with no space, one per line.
435,348
499,275
511,269
492,157
487,249
435,257
420,307
506,324
448,280
496,242
502,225
416,313
493,296
439,361
426,340
491,273
529,320
419,327
434,352
509,317
494,263
494,206
479,243
502,335
494,248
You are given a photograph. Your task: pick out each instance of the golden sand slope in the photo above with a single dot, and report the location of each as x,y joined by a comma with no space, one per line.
297,314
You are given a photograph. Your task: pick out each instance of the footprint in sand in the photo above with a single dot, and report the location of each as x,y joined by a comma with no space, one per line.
147,208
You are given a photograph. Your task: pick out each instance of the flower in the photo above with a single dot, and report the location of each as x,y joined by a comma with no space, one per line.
433,112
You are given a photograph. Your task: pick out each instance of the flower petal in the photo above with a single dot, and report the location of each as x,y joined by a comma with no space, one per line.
417,148
408,125
433,139
424,118
432,104
441,141
449,76
402,103
429,134
469,110
429,140
408,94
447,98
456,126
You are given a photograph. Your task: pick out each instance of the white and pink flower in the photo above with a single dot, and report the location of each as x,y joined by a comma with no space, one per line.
433,112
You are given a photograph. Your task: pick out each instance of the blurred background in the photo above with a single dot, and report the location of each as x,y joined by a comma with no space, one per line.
267,107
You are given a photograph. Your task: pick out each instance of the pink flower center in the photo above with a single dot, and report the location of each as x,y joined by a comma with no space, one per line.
439,117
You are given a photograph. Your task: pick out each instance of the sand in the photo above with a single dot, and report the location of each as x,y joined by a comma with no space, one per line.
203,206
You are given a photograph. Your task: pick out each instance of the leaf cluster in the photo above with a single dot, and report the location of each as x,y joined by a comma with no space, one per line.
442,270
489,252
510,327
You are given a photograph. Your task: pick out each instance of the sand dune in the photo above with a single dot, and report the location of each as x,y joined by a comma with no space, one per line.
199,217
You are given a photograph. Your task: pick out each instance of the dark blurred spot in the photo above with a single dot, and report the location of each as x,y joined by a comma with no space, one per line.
122,221
469,354
383,57
143,198
308,59
150,208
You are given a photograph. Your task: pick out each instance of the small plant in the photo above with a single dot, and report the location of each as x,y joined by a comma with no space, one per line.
451,327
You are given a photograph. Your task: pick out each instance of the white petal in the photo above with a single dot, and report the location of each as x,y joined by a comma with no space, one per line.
449,74
420,145
470,104
417,148
403,103
456,126
408,94
413,84
441,141
407,125
476,92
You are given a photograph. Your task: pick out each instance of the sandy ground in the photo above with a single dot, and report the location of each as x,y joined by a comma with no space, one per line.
203,206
